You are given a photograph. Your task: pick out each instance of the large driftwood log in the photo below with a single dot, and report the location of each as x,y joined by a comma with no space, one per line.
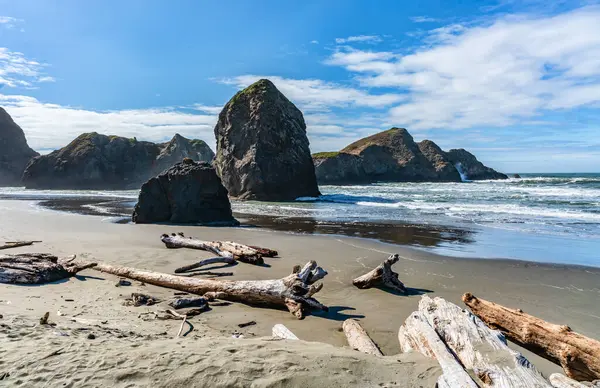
579,356
358,339
561,381
227,249
294,291
201,263
478,348
16,244
416,334
382,276
280,331
37,268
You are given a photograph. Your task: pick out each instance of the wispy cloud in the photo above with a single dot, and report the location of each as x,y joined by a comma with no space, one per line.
423,19
314,42
359,38
18,71
315,94
513,69
213,110
9,22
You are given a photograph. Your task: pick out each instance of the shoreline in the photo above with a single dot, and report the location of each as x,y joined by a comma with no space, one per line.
562,294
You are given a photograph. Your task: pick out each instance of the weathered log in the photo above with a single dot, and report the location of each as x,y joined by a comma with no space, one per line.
228,249
382,275
201,263
478,348
264,252
16,244
283,332
417,334
358,339
294,291
37,268
206,273
561,381
181,303
579,356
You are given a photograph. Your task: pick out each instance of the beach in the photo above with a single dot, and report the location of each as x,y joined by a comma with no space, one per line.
557,293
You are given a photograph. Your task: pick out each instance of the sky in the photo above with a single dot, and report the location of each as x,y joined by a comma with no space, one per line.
515,82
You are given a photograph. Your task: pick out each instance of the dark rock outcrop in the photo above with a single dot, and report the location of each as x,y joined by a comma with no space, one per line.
393,156
14,151
517,176
95,161
188,192
179,148
471,168
262,148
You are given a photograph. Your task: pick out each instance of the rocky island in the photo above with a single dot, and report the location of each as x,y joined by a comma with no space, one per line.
394,156
96,161
14,151
262,148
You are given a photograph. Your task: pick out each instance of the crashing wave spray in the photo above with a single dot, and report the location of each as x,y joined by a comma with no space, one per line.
463,174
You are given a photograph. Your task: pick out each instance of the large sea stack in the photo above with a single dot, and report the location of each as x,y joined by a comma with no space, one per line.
188,192
393,156
14,151
262,148
96,161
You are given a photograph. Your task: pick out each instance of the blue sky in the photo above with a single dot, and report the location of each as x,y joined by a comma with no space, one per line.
515,82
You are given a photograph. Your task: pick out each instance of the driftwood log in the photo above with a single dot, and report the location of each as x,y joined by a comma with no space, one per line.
478,348
16,244
37,268
280,331
579,356
227,249
561,381
382,276
358,339
295,291
202,263
417,335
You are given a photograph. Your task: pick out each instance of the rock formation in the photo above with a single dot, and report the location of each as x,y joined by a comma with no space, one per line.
471,168
393,156
95,161
179,148
14,151
188,192
262,148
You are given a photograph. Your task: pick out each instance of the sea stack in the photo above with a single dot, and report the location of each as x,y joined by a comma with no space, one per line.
14,151
262,148
188,192
96,161
393,156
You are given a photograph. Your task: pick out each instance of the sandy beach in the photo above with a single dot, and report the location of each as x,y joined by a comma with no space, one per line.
130,350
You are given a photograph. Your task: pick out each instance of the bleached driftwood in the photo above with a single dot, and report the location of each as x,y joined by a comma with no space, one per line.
294,291
358,339
201,263
579,356
416,334
227,249
382,275
283,332
561,381
16,244
478,348
37,268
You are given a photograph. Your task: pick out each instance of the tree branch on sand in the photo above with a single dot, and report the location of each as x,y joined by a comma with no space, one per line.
38,268
295,291
382,275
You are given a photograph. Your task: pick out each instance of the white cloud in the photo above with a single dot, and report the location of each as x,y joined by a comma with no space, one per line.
514,69
9,22
359,38
314,42
18,71
423,19
51,126
315,94
213,110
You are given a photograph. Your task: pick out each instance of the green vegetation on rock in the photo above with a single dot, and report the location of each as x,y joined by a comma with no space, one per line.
324,155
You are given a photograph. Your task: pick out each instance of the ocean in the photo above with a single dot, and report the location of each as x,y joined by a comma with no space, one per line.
551,218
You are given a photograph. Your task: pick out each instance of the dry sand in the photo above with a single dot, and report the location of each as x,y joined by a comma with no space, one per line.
146,353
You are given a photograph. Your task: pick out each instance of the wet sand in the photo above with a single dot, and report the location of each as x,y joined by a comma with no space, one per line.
558,293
